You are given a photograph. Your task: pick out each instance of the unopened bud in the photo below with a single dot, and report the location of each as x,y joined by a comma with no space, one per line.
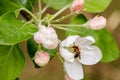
97,23
77,5
42,58
48,36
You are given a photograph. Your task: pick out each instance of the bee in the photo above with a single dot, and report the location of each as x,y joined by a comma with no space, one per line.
74,49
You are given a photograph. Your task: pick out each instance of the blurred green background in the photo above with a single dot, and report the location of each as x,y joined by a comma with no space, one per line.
101,71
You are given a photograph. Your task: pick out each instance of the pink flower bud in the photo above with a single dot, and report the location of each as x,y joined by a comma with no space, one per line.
97,23
77,5
37,37
42,58
48,37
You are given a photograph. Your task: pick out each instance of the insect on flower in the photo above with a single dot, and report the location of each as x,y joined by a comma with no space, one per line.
74,49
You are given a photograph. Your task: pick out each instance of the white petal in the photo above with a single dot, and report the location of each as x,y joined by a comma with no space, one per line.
74,70
67,55
90,55
85,41
69,40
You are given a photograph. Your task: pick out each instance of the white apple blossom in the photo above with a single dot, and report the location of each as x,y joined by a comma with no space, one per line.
77,51
47,37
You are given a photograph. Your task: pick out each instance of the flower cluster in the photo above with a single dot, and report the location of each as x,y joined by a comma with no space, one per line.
74,49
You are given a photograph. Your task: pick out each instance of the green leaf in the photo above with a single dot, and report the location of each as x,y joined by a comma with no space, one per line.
13,31
12,62
79,19
29,4
57,4
96,6
104,40
107,44
32,47
13,5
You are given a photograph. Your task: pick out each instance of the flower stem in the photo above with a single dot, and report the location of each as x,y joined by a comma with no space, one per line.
62,18
44,9
33,16
39,13
61,60
67,29
59,12
39,47
65,25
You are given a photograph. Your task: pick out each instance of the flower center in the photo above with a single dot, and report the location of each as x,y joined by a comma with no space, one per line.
75,50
